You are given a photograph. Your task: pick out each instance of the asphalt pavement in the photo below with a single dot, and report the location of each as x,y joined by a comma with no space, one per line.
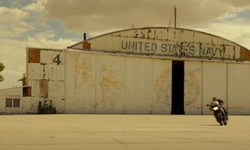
122,132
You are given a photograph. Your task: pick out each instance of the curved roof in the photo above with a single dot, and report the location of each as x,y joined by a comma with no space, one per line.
166,41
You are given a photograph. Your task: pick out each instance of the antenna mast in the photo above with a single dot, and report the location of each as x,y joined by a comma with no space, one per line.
174,16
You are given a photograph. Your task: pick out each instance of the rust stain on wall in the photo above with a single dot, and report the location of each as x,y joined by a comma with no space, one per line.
83,76
244,54
33,56
110,87
163,87
86,45
44,88
192,88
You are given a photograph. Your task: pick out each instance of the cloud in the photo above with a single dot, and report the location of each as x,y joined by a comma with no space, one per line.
12,22
37,6
99,15
236,30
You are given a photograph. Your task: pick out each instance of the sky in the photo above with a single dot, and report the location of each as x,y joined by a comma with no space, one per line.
58,24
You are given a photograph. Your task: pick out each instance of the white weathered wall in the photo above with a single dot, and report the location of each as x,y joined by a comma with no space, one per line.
109,84
50,68
193,88
161,86
80,80
214,83
10,93
104,83
138,85
238,89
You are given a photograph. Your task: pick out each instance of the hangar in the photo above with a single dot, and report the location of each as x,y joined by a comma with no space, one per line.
151,70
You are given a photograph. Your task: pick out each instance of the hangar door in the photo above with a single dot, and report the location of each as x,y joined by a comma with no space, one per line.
177,87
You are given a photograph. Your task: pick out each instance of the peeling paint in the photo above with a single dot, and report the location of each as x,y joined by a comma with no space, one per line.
44,85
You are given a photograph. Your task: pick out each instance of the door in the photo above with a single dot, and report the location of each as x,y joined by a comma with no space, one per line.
177,87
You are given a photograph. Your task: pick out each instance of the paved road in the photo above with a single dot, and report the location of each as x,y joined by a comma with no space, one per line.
122,132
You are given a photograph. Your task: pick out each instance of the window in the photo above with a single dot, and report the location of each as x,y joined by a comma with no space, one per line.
26,91
8,102
12,102
16,102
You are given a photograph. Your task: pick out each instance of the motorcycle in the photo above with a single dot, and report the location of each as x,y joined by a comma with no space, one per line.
219,112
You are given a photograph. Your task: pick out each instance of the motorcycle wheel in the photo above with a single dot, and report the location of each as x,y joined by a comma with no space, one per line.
219,117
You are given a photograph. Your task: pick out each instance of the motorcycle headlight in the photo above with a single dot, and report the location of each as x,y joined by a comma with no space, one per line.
215,108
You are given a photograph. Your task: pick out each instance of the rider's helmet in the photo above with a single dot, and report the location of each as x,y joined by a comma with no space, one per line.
214,103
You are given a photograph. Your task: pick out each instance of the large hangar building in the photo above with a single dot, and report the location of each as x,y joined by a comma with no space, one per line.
153,70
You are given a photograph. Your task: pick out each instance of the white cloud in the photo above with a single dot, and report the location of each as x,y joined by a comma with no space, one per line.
235,30
96,15
37,6
13,57
12,22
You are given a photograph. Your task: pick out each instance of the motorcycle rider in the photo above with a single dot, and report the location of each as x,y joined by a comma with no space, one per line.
216,101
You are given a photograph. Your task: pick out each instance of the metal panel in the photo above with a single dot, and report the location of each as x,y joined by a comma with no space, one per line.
238,89
55,72
33,72
161,87
80,82
109,84
56,94
192,89
138,84
44,87
47,78
214,83
44,71
35,88
52,56
33,56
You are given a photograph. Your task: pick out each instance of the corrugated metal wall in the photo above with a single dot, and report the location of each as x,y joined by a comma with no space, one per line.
238,89
100,83
214,82
106,83
193,87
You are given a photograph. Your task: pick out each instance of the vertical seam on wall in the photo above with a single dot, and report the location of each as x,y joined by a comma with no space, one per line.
227,86
64,78
95,104
151,89
202,71
124,84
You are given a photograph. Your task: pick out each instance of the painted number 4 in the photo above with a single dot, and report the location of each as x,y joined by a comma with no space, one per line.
57,59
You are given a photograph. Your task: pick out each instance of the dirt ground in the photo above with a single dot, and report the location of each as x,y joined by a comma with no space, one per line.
122,132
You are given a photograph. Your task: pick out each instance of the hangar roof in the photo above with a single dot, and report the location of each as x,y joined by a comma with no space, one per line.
166,41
